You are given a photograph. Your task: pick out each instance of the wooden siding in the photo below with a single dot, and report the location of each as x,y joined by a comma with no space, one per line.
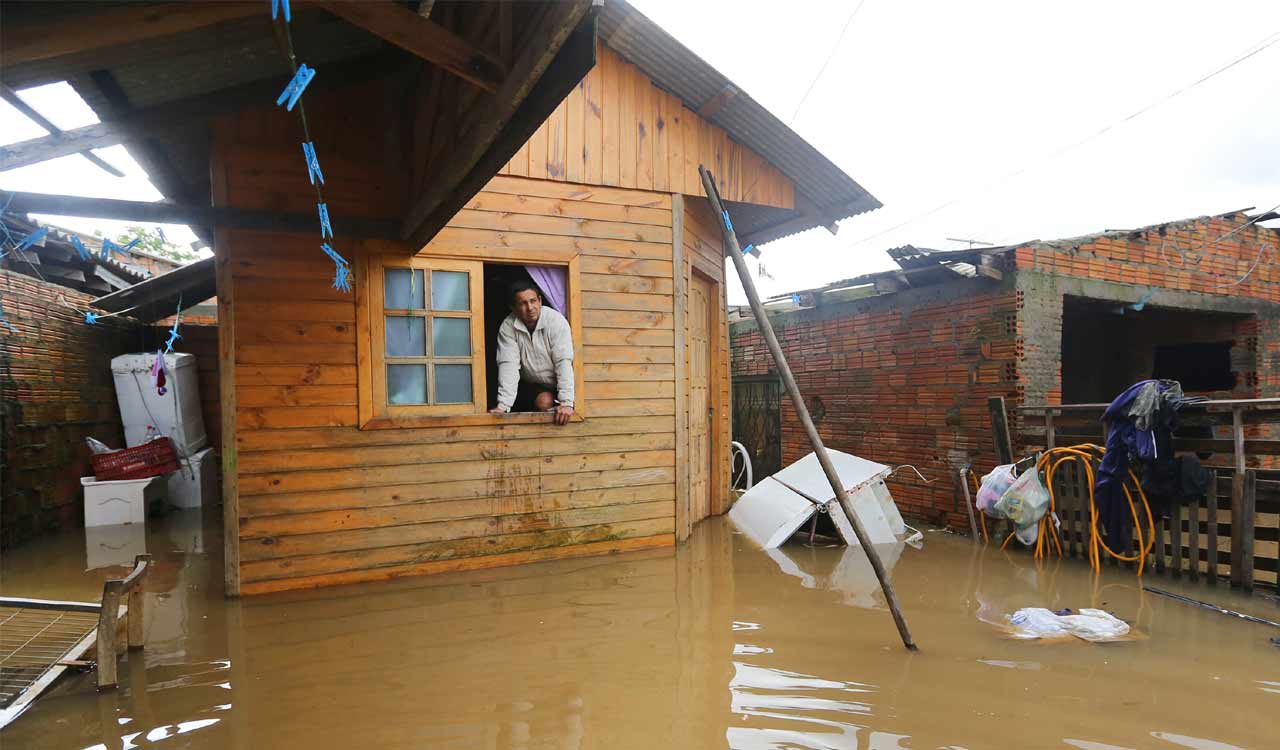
312,500
617,129
322,501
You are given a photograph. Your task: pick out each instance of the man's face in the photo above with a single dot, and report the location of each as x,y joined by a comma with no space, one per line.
527,306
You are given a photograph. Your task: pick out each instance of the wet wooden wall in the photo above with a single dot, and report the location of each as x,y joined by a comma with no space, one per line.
616,128
316,500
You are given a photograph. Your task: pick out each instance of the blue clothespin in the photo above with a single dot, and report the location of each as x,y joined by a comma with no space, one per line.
90,318
727,222
173,332
795,298
313,163
160,231
333,254
326,229
109,247
33,238
342,278
275,10
297,85
80,248
342,269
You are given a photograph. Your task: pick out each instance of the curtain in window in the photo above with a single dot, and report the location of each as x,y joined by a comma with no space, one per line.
552,281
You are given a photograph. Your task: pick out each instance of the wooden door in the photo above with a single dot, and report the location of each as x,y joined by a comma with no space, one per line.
702,297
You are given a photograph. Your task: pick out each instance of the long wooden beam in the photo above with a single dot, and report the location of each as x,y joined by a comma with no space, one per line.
175,117
46,40
539,47
56,134
173,213
424,38
734,251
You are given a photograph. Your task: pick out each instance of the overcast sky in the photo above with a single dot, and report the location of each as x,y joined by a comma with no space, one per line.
924,103
938,103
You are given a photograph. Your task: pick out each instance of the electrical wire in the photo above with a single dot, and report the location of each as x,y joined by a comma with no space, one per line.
1267,42
830,56
1262,247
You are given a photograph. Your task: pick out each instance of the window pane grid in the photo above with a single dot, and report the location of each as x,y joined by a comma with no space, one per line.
427,378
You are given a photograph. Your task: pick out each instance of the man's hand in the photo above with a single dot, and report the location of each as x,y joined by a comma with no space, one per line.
497,410
563,414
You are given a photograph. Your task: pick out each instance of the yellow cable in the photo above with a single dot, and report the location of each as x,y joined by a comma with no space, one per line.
1049,540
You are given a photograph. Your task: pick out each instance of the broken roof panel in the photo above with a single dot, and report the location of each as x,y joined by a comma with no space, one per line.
158,297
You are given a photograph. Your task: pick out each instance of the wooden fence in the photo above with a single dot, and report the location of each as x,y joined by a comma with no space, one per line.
1232,532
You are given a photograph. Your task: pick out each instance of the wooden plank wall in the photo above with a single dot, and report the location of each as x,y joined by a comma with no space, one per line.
617,129
319,501
322,502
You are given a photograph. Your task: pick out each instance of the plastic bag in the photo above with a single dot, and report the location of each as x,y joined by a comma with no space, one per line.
1025,502
1089,624
97,447
993,486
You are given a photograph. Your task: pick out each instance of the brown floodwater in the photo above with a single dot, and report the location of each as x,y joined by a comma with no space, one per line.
714,644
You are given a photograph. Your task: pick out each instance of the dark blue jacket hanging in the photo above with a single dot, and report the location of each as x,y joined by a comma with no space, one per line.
1125,443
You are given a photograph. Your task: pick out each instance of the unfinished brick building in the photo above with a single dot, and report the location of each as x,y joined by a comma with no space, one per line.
898,366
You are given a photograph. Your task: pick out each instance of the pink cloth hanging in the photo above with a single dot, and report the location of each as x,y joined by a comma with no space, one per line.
553,283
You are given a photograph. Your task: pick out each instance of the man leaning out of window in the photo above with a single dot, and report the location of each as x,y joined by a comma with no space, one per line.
535,357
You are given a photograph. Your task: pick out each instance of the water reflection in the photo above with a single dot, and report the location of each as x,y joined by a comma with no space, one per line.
714,644
842,569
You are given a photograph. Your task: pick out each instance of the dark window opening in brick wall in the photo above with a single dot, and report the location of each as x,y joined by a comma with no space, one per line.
1199,367
1108,346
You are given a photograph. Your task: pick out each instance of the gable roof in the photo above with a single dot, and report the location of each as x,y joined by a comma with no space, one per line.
828,193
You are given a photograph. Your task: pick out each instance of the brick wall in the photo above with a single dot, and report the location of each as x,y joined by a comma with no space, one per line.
899,379
904,378
56,390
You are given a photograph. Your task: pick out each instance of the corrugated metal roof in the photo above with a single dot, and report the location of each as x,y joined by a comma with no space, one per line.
675,67
56,261
158,296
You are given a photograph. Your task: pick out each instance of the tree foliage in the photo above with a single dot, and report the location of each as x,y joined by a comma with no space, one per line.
152,240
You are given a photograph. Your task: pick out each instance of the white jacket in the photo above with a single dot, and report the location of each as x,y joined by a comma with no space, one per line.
544,356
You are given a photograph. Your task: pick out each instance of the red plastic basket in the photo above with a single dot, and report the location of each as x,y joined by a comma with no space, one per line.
151,459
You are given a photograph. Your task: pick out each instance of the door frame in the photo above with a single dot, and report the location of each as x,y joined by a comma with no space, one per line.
715,401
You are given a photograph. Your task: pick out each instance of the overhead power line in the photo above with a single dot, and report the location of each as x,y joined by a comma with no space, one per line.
830,56
1267,42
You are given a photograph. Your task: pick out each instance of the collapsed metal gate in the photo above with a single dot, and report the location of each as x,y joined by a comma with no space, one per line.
757,421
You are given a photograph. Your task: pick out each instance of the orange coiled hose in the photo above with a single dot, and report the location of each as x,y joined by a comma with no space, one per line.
1048,540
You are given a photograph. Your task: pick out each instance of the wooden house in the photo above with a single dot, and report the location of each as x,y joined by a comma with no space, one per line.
348,458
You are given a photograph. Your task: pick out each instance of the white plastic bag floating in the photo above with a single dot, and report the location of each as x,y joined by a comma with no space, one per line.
1092,625
993,486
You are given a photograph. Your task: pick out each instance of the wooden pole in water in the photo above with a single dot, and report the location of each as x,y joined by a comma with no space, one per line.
734,251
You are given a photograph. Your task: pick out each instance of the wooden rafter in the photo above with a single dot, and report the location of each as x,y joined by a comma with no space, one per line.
176,213
46,40
166,119
487,118
718,102
424,38
56,134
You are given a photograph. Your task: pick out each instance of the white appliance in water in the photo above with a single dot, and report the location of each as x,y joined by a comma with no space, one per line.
176,414
195,480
